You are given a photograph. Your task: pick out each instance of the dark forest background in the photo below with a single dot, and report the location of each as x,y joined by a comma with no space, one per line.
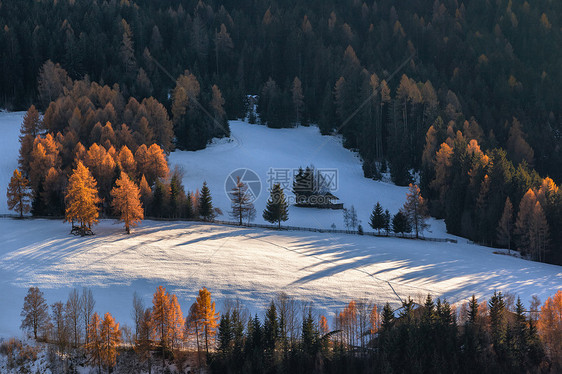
480,77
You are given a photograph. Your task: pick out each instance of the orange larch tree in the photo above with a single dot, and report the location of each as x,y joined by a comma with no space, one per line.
110,338
82,199
550,325
176,322
208,318
94,345
19,194
126,202
161,316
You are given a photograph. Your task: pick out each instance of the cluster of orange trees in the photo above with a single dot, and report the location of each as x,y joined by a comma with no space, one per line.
161,327
59,175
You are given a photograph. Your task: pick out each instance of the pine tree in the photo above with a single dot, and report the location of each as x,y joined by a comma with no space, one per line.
19,194
415,209
270,331
309,334
387,317
472,310
505,226
225,335
276,210
205,205
497,309
82,199
126,202
298,99
110,338
400,223
241,202
35,312
377,221
387,221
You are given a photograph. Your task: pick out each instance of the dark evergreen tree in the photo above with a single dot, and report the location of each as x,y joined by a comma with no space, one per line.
377,221
206,211
276,210
401,224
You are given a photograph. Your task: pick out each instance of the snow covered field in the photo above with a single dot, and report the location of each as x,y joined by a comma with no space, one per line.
250,264
260,149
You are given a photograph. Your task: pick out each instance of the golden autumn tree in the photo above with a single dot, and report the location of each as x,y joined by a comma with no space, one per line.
323,327
127,161
550,325
156,165
94,345
176,322
19,194
206,316
161,321
82,199
126,202
110,338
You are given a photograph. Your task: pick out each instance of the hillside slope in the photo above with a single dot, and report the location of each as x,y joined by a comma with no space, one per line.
263,149
249,264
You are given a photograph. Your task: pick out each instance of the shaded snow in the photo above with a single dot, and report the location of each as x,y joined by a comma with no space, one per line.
250,264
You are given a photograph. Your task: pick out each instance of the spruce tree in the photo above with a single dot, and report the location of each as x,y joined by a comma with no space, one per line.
377,221
270,334
497,309
206,204
225,336
401,224
472,310
387,221
505,226
276,210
